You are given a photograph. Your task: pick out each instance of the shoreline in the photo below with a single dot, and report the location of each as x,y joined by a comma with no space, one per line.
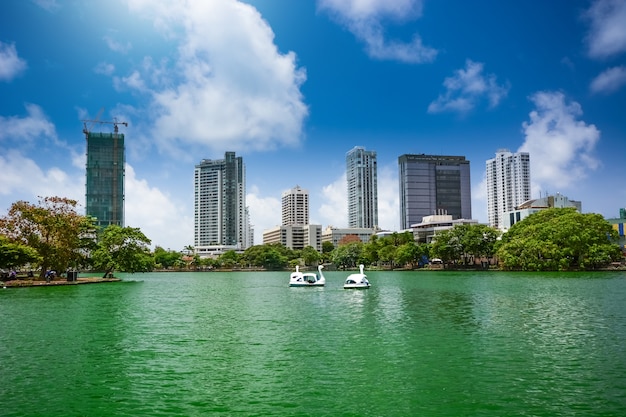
21,283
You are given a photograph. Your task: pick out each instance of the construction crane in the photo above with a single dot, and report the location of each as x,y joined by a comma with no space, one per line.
114,122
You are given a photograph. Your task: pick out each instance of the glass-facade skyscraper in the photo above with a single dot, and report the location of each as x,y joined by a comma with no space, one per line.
433,184
104,196
362,183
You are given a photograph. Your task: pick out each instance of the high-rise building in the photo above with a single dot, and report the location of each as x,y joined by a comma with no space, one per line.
104,195
361,175
508,184
220,212
295,206
433,185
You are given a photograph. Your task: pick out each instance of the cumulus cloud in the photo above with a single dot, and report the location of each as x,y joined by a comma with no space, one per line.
561,147
49,5
11,65
334,209
266,213
607,33
230,88
26,129
364,18
21,177
467,87
104,68
117,46
152,211
609,81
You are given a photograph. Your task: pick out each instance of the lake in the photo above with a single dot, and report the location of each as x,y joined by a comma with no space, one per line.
415,344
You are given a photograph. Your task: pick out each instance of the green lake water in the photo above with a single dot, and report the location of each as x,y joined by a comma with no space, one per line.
246,344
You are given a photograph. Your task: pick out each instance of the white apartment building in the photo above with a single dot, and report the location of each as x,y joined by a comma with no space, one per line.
220,214
508,184
361,175
295,206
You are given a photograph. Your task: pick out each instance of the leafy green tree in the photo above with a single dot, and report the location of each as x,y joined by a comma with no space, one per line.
348,255
408,254
310,256
53,228
559,239
229,259
167,258
327,248
14,255
122,249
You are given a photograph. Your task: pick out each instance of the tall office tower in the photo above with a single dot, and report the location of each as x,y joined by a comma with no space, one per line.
220,212
104,195
433,184
508,184
361,175
295,207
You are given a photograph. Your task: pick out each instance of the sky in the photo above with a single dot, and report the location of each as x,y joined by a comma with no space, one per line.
293,85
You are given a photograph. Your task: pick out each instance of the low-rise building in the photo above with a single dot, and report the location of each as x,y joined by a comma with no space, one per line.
532,206
618,225
334,235
425,231
295,236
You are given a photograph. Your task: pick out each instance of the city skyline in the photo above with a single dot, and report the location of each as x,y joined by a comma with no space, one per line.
292,86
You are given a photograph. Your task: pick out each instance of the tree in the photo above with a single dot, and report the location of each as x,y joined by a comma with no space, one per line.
167,258
347,256
13,255
53,228
122,249
465,242
559,239
310,256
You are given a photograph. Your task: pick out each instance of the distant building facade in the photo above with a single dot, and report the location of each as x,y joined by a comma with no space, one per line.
221,217
427,229
431,184
104,196
508,184
295,236
533,206
618,225
362,188
335,235
295,206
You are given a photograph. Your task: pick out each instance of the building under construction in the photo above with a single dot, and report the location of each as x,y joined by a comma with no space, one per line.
105,177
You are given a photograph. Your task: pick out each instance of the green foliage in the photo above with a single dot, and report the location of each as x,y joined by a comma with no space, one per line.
167,258
349,255
559,239
122,249
14,255
60,236
464,243
310,256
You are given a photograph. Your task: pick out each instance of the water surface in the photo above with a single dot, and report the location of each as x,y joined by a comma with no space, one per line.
416,343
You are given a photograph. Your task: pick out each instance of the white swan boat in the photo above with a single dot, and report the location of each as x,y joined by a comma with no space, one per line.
357,281
307,279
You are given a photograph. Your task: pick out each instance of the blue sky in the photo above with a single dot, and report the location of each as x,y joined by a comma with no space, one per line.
293,85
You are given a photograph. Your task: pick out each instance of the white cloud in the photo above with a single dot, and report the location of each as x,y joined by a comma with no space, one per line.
27,129
117,46
104,68
466,88
607,34
163,220
560,146
49,5
22,178
231,88
334,209
609,81
11,65
265,212
364,18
